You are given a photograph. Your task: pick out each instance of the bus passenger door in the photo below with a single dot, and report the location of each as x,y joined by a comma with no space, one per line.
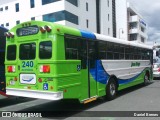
91,63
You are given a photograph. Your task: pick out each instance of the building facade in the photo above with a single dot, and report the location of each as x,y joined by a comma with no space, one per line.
107,17
130,24
121,19
137,27
91,15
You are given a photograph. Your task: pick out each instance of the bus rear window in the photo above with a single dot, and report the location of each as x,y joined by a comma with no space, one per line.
27,51
45,50
11,52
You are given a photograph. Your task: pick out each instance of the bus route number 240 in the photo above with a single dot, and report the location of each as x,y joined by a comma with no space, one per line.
27,64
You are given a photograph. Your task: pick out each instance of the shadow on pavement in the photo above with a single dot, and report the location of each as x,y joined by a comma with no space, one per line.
13,100
72,108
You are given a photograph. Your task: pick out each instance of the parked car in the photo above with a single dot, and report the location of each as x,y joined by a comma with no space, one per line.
156,68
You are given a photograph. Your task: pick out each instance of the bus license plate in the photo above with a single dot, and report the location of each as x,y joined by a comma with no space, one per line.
28,78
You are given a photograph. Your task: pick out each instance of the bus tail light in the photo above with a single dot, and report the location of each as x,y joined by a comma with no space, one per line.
7,34
11,69
42,29
11,34
45,68
158,69
48,28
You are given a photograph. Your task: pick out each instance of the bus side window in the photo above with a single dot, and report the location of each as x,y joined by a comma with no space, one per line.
76,49
102,50
71,48
92,53
110,53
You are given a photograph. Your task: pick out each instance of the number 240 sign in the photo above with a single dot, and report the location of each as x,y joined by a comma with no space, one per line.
27,64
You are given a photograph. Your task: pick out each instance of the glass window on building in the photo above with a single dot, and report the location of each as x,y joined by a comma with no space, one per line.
32,3
17,22
86,6
133,37
74,2
44,2
32,18
7,24
1,9
142,39
142,29
87,23
17,7
108,17
108,3
61,15
6,8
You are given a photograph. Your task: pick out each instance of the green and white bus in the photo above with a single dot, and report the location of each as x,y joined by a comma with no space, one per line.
51,61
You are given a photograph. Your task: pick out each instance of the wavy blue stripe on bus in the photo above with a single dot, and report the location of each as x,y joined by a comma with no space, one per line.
102,75
125,81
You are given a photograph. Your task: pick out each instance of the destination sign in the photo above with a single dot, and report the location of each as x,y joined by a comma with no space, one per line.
25,31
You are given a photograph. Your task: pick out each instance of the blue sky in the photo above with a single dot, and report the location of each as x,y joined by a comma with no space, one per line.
150,11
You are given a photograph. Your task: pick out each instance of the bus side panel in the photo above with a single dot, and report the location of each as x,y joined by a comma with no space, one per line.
138,80
68,74
128,73
68,79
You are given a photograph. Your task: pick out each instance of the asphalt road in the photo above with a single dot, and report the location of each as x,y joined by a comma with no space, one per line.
145,99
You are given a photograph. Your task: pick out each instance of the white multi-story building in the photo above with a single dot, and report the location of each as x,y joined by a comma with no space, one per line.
130,25
91,15
137,27
121,19
108,17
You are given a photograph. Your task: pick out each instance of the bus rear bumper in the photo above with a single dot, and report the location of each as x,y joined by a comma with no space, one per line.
35,94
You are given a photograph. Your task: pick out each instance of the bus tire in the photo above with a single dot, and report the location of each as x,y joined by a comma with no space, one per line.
111,89
146,79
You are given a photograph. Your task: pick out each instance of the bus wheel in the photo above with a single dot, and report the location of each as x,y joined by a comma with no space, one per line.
111,89
146,79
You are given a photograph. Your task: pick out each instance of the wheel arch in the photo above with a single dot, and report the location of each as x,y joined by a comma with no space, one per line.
148,73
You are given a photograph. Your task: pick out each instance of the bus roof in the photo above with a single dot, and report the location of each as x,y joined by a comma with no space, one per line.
83,33
120,41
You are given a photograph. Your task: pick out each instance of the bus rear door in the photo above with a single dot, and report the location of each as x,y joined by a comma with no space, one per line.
27,67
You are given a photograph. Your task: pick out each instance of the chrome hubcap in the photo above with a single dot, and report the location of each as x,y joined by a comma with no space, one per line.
146,78
112,89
